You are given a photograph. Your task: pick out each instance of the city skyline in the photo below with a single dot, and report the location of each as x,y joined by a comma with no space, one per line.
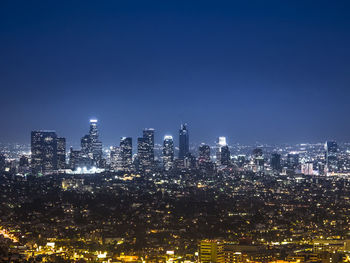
274,72
159,138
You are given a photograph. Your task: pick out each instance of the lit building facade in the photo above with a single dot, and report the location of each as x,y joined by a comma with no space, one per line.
168,152
44,151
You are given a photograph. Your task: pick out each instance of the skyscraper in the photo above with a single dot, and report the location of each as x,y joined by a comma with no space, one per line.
168,152
126,153
145,150
75,159
223,155
148,134
307,168
44,151
184,147
204,153
275,162
96,145
331,158
61,153
258,159
91,146
293,160
116,159
142,153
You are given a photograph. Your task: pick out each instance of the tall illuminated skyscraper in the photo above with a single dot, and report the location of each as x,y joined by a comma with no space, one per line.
44,151
96,145
145,150
331,158
126,153
168,152
61,153
223,155
204,153
184,146
275,162
116,159
91,146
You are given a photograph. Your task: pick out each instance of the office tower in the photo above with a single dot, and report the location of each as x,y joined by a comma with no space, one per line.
258,159
190,161
44,151
145,150
184,146
85,144
91,146
61,153
117,163
292,160
126,153
148,134
96,145
223,156
142,153
75,157
331,159
168,152
275,162
307,168
204,153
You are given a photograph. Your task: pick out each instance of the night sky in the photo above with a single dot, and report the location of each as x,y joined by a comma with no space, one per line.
267,71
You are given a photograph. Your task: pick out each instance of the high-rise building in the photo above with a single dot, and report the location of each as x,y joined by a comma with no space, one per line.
292,160
168,152
86,149
307,168
275,162
116,159
331,158
44,151
96,145
204,154
61,153
142,153
126,153
223,155
91,146
259,161
184,146
145,150
75,157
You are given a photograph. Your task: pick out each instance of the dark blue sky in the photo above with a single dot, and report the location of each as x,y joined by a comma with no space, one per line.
268,71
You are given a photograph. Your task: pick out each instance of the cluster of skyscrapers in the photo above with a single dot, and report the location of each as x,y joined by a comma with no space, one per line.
48,154
48,151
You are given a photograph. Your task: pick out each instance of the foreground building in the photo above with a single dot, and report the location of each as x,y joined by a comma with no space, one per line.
47,152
